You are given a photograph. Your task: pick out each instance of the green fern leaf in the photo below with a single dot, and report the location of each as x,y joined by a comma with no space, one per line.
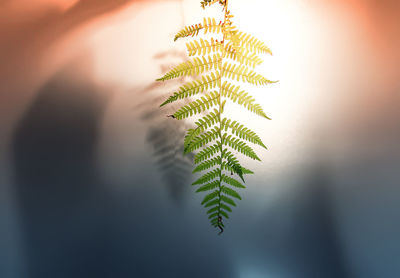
228,200
252,43
243,57
214,138
214,215
195,87
210,196
223,213
207,153
208,186
225,207
232,181
201,140
241,131
207,177
202,124
244,74
203,47
242,98
197,106
193,67
211,203
211,210
208,164
240,146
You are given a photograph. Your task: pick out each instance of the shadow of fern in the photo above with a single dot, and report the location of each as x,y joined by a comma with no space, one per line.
166,135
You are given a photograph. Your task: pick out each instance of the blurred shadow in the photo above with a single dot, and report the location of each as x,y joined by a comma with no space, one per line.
61,201
165,134
302,232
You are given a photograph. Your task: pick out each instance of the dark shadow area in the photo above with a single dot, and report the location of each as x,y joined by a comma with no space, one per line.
302,233
60,197
75,225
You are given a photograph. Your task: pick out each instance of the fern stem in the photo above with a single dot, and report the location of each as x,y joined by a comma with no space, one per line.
220,224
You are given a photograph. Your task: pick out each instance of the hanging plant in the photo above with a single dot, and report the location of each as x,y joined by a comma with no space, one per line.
216,63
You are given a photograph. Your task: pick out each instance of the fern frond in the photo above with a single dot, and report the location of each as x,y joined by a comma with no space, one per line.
211,210
201,140
207,153
208,25
225,207
232,163
241,131
213,216
197,106
202,124
193,67
208,164
214,137
207,177
223,213
211,203
210,196
244,74
228,200
244,57
241,97
230,192
232,181
239,145
252,43
208,186
237,169
203,47
195,87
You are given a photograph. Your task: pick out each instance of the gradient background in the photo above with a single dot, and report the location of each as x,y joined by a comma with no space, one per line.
92,179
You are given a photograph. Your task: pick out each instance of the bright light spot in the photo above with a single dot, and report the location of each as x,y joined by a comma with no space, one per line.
124,55
254,273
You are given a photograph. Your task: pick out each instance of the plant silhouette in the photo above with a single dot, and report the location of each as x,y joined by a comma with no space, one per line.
216,64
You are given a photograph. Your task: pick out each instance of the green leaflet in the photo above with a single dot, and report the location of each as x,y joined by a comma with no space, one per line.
241,131
208,177
225,207
243,56
242,98
232,181
208,186
252,44
230,192
195,87
210,196
201,140
239,145
194,67
197,106
207,153
244,74
231,56
208,164
203,47
202,124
